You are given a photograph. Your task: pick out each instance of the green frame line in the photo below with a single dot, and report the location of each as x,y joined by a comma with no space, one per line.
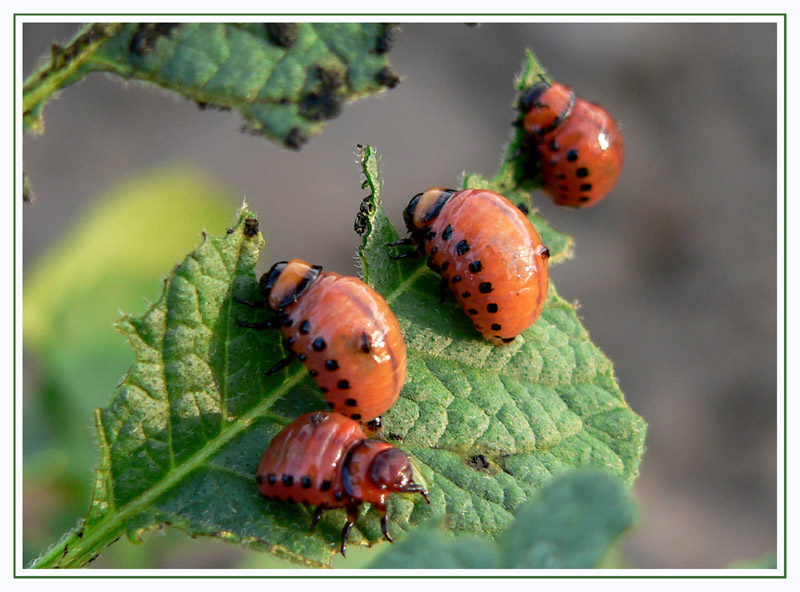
333,575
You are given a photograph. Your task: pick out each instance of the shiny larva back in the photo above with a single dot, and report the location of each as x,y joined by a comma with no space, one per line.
303,462
579,145
350,342
491,257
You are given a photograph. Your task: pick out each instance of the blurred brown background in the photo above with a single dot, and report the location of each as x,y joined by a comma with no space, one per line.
675,271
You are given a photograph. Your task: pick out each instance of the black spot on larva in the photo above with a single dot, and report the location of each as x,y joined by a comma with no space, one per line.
318,344
305,327
281,34
290,499
523,208
302,357
343,384
305,482
351,402
338,496
561,176
475,266
250,227
294,139
466,294
586,187
445,265
356,416
448,232
288,322
288,480
572,155
554,146
472,311
331,404
478,462
430,235
290,342
496,327
456,279
331,365
387,77
552,163
462,247
583,198
325,485
271,478
434,250
313,373
582,172
507,339
324,389
259,479
485,287
491,307
563,188
365,347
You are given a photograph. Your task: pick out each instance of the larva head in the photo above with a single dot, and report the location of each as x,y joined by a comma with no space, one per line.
286,281
545,106
375,469
424,207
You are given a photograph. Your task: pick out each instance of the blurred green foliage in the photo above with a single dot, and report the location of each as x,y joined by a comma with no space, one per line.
73,294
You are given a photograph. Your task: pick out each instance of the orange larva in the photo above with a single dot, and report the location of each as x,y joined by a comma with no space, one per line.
577,144
488,254
325,460
342,330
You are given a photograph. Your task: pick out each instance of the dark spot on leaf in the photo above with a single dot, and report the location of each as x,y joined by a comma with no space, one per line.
478,463
319,106
147,34
250,227
387,77
523,208
393,436
282,34
385,39
295,139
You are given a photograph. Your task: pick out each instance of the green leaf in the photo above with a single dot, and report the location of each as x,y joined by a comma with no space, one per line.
570,524
117,251
286,80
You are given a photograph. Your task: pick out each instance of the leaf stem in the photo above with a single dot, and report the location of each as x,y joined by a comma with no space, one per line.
64,63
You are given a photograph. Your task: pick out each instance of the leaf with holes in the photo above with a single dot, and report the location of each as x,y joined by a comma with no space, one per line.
286,79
